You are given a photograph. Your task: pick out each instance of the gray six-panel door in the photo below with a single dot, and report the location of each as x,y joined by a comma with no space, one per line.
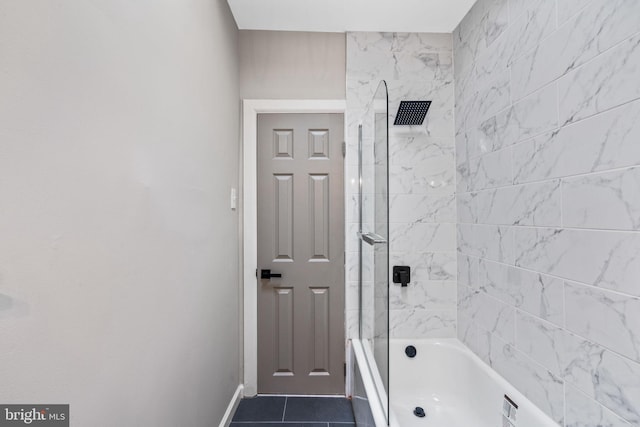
301,237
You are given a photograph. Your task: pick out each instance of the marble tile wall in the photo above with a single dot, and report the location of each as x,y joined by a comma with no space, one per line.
422,178
547,116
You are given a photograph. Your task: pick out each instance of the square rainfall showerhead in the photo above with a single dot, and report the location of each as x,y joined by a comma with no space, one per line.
411,113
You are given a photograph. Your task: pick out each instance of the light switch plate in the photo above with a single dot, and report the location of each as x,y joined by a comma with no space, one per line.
234,199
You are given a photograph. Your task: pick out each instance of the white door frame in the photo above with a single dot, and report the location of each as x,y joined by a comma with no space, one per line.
250,110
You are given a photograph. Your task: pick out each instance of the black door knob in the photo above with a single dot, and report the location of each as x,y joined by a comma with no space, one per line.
267,274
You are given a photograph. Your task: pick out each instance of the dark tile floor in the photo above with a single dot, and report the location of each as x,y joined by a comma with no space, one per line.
274,411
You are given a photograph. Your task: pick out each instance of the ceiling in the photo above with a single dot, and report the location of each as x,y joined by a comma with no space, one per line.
433,16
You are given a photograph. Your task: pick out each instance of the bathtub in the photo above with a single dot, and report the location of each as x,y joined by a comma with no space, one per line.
453,386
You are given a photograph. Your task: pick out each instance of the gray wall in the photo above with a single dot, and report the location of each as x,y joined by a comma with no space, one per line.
119,254
292,65
548,131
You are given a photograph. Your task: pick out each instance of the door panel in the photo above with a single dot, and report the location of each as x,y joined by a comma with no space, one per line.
320,331
284,217
319,217
301,237
284,325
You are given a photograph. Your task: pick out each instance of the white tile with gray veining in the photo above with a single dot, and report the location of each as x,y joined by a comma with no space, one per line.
492,279
353,213
580,361
605,141
432,295
352,318
483,345
542,387
411,323
606,200
601,258
419,148
467,301
537,294
351,238
533,115
613,77
440,124
494,316
491,170
486,241
492,98
526,30
468,38
441,265
569,8
496,20
439,237
582,411
541,341
467,270
466,207
532,204
464,119
598,27
412,208
352,299
424,72
518,8
467,332
465,84
494,242
603,375
569,132
463,178
466,240
437,175
605,317
352,259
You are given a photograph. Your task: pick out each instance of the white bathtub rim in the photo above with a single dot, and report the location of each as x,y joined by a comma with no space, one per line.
377,411
374,373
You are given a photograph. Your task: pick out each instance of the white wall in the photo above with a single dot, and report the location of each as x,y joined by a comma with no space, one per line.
548,131
292,65
119,253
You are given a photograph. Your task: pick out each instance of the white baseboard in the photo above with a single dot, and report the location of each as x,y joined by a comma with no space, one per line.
231,409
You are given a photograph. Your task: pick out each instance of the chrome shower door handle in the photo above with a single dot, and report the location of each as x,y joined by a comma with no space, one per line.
372,238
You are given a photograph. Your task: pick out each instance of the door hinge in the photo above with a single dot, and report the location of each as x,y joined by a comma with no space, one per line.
344,149
345,370
256,273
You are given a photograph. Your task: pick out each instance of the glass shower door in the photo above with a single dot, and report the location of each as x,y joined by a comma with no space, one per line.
374,241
